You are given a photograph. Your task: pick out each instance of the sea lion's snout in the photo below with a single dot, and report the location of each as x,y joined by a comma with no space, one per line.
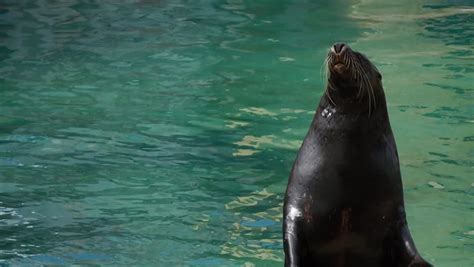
338,48
338,57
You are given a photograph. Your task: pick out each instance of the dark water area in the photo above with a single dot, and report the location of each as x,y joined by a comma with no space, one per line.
162,133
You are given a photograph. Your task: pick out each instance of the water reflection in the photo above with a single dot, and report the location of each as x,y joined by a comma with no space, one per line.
257,232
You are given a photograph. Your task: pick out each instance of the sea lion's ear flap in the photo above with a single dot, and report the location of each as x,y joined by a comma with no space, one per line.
379,75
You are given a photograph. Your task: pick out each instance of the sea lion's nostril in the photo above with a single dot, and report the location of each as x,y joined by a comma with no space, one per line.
338,47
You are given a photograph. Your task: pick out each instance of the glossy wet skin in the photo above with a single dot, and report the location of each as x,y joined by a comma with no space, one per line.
344,201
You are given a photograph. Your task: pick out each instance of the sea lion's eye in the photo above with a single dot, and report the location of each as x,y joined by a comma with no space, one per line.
379,75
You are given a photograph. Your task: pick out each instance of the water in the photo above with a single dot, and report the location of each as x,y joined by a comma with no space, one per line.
161,133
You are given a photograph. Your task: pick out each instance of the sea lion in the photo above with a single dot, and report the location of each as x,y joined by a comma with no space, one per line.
344,201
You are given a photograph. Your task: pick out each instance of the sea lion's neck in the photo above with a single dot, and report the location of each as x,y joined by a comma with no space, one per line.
343,118
344,100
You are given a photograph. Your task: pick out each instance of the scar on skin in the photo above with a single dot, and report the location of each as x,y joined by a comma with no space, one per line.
345,220
294,212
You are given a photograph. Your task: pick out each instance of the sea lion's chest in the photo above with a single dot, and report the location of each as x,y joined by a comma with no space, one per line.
347,152
347,175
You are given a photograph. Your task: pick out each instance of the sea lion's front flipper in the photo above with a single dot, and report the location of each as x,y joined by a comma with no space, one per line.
291,245
293,239
406,250
419,263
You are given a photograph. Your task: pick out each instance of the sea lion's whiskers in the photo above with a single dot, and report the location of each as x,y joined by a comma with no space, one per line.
328,94
328,63
357,75
323,71
353,68
369,106
372,89
329,87
326,69
364,82
368,87
360,78
373,95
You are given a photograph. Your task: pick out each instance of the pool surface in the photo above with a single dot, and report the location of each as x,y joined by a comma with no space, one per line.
162,133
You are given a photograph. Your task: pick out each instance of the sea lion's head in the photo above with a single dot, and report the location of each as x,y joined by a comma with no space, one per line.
352,77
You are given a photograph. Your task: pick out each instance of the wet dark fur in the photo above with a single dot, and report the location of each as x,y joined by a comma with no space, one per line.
344,202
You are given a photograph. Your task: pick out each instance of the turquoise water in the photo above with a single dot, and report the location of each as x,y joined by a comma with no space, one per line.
161,133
